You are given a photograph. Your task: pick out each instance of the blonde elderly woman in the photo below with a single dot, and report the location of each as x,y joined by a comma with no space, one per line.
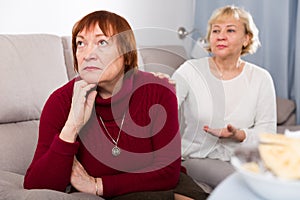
224,101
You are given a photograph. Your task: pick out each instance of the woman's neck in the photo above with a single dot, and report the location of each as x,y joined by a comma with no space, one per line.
226,69
108,89
227,64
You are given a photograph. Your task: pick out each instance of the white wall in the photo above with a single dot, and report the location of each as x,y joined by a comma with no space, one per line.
154,21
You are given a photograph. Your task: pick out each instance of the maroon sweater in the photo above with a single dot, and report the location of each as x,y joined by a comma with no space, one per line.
149,140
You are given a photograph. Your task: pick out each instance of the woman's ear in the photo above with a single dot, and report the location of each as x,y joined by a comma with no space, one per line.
246,42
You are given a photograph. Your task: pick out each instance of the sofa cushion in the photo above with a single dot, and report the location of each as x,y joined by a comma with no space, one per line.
18,143
31,66
11,187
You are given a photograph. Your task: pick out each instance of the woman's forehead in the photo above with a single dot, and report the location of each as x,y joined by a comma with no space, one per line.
96,30
227,20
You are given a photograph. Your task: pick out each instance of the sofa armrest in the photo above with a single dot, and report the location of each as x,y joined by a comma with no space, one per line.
285,111
11,187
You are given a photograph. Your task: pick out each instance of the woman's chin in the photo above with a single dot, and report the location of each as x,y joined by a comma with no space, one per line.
90,78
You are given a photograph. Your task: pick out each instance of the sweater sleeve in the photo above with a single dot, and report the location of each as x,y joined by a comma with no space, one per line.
163,172
182,86
265,119
53,159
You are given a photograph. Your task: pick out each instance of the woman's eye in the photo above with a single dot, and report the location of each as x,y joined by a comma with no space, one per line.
103,43
215,31
230,30
79,44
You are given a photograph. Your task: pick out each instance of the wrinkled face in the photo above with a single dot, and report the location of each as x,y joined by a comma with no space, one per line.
98,57
228,37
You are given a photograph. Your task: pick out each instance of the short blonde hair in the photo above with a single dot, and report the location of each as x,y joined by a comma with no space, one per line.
239,14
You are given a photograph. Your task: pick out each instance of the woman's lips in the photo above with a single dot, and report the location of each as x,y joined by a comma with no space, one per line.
221,46
91,68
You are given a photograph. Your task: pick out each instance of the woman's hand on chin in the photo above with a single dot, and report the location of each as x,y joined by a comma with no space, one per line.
81,108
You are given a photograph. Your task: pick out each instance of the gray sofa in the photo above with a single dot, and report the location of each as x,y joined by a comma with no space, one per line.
32,66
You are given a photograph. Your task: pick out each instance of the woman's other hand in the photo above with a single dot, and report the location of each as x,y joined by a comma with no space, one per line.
83,182
228,132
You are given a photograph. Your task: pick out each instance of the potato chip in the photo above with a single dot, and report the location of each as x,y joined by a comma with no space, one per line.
281,155
251,166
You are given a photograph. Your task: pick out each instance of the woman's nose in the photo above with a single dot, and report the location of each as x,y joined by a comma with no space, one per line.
221,35
90,53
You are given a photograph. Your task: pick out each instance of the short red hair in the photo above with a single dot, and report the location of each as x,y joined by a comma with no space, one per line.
111,24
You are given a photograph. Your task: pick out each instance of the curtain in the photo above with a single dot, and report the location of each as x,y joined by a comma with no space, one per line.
278,22
295,72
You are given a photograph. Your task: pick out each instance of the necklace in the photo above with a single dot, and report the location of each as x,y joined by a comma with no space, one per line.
115,150
221,73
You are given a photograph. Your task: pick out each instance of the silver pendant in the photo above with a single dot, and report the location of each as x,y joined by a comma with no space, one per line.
116,151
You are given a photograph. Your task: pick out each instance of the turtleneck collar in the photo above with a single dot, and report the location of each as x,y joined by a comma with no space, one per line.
115,106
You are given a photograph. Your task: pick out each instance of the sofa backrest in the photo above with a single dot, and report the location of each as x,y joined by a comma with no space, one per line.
164,58
31,66
68,54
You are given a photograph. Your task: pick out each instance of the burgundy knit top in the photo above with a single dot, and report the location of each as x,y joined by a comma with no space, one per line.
149,139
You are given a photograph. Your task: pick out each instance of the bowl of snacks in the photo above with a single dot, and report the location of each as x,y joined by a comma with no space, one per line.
271,169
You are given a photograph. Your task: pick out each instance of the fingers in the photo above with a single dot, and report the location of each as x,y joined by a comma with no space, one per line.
215,132
228,132
231,129
82,103
89,105
75,169
162,76
83,83
81,88
205,128
91,98
78,169
171,81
